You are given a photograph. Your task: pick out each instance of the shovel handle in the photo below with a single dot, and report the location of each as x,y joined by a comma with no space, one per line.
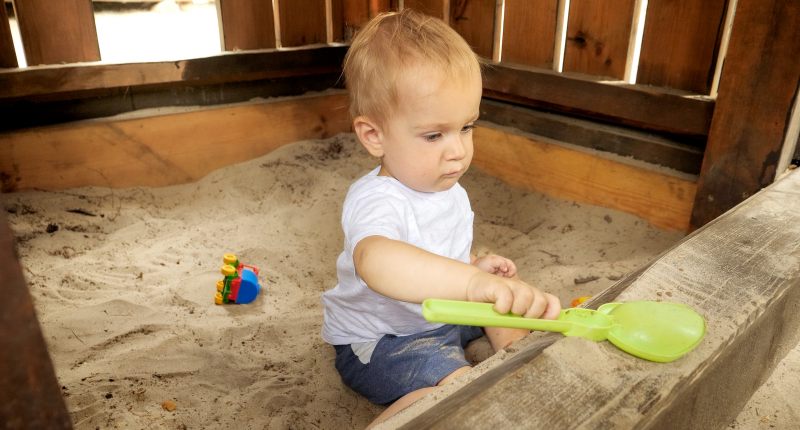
483,315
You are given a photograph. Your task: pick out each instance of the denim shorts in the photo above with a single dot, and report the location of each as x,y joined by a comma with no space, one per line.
402,364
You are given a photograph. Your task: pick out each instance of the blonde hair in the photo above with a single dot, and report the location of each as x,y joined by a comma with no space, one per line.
393,43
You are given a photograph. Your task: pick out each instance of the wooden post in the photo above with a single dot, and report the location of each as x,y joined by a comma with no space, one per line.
57,31
30,396
8,56
246,24
757,90
302,23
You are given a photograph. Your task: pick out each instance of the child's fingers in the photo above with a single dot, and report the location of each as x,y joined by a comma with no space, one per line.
553,307
538,306
524,299
503,300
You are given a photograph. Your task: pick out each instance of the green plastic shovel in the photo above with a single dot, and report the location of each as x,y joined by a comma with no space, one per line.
655,331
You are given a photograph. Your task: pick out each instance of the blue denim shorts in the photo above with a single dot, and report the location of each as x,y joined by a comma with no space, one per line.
402,364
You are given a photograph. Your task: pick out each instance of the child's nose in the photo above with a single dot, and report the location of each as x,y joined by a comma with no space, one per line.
457,148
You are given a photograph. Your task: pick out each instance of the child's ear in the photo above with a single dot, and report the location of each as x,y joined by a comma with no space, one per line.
369,134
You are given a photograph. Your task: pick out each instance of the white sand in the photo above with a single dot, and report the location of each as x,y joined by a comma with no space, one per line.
125,296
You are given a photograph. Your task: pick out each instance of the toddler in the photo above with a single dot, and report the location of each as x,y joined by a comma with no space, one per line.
415,91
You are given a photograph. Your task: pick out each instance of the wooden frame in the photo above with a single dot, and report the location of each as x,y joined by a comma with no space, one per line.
751,250
57,32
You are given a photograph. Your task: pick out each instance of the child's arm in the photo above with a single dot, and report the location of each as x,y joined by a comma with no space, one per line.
404,272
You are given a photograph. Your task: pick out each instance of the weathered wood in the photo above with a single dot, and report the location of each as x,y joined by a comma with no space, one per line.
337,20
741,272
57,32
246,24
637,106
680,42
30,396
474,21
240,66
685,156
663,200
529,32
164,149
756,94
302,23
8,55
598,33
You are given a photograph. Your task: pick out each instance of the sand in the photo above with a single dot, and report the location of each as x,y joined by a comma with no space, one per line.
123,282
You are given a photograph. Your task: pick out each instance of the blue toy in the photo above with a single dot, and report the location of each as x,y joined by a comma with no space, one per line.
240,284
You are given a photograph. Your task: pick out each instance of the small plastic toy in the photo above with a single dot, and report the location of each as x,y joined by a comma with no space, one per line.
240,284
577,302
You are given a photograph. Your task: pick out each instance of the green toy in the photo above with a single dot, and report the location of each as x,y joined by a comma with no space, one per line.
655,331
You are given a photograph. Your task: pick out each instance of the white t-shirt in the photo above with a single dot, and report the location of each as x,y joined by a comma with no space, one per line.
439,222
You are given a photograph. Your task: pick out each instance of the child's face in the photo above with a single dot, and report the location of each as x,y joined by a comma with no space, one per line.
427,140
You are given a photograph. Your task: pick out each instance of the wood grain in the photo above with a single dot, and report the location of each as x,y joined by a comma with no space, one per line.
661,199
598,33
246,24
474,21
164,149
529,32
680,43
302,23
8,55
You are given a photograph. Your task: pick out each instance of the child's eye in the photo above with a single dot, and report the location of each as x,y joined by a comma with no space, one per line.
468,128
433,137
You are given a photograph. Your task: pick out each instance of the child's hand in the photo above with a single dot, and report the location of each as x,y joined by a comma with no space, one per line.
512,295
496,265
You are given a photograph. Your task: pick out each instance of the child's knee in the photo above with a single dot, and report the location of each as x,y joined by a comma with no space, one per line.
455,374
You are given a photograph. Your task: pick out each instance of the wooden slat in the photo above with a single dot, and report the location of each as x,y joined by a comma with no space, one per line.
622,141
740,272
756,95
529,32
241,66
598,33
165,149
428,7
246,24
8,55
474,21
661,199
57,31
637,106
337,20
302,22
30,396
680,43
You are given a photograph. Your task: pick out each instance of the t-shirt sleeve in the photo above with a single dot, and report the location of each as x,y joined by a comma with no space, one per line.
374,215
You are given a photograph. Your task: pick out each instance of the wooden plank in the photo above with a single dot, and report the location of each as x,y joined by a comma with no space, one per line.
638,106
756,95
302,23
165,149
246,24
646,147
598,33
30,396
57,32
576,383
233,67
680,42
474,21
8,55
661,199
529,32
337,20
429,7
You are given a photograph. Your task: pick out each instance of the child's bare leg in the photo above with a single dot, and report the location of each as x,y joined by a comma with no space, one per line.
500,338
413,396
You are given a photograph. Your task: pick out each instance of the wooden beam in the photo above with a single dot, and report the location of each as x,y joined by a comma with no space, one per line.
661,199
685,156
241,66
164,149
57,32
30,395
741,272
631,105
8,55
680,43
757,90
246,24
